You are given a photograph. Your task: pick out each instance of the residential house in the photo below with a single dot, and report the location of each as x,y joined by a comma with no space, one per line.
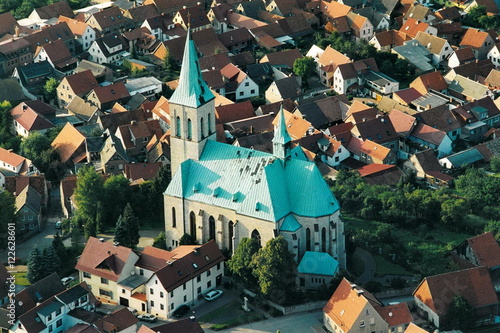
316,269
466,89
379,130
238,84
85,35
463,56
403,124
493,80
443,119
361,27
481,250
430,81
108,20
119,321
380,21
412,26
110,49
448,13
78,84
250,8
163,28
195,17
283,89
139,14
334,10
420,13
54,10
481,42
406,96
353,309
233,112
476,118
435,294
113,155
427,137
137,173
8,25
14,53
494,54
70,144
237,41
451,31
334,152
476,71
156,286
439,47
136,136
32,116
67,188
328,62
58,55
168,7
380,174
111,121
416,54
282,60
182,325
347,75
32,78
490,6
386,40
29,210
158,150
83,110
425,165
100,72
378,83
281,7
369,152
16,184
52,33
105,96
324,112
16,163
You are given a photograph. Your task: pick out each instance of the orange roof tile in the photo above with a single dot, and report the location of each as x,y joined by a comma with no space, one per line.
10,157
296,126
486,250
77,27
335,9
412,328
411,27
474,38
402,122
424,83
395,315
67,142
474,284
333,57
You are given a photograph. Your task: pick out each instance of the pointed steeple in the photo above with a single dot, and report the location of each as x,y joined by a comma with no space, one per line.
192,90
281,139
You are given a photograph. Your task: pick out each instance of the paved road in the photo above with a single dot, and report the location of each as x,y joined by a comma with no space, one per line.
300,322
369,264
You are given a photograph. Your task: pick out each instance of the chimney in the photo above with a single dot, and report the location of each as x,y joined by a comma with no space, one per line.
101,240
25,107
16,31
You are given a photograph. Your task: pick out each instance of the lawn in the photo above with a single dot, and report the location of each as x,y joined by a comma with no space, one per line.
21,279
385,267
229,315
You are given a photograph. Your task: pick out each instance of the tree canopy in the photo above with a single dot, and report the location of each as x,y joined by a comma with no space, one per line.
88,193
306,68
8,214
240,262
127,228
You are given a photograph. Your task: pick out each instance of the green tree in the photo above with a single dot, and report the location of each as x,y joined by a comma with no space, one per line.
117,193
160,241
275,269
49,89
35,265
7,139
50,261
494,227
306,68
168,62
461,314
495,164
8,215
37,148
240,262
127,228
88,192
186,239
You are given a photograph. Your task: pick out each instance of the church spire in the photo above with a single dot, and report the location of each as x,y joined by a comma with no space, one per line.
281,139
192,90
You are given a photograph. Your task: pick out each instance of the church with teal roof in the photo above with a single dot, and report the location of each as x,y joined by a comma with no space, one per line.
225,193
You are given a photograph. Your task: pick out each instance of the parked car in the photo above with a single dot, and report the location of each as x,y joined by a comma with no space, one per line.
67,280
134,311
181,311
213,295
147,317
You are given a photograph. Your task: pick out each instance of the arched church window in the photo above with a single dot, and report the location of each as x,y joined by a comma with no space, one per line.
209,124
323,240
174,218
308,239
192,225
178,126
256,235
190,130
211,228
231,235
202,128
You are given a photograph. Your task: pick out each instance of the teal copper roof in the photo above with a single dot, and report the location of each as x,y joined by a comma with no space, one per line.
192,90
253,183
290,224
318,263
280,132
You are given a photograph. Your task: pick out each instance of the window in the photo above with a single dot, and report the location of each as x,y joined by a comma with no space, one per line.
362,323
190,130
50,328
161,294
208,273
198,290
209,284
58,312
152,303
151,291
218,266
107,293
123,291
141,271
185,298
173,218
49,317
104,281
247,84
241,93
178,127
172,293
162,307
209,124
198,278
252,91
184,286
59,323
86,275
171,306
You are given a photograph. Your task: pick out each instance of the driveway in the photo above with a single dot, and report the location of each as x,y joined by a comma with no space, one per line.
300,322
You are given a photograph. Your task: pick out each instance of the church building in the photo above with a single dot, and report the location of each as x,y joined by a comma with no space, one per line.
225,193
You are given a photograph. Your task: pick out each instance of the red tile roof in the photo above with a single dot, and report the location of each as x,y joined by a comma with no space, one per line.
474,284
112,92
146,171
375,169
474,38
434,80
486,250
81,82
103,259
234,112
30,115
11,158
411,27
67,142
412,328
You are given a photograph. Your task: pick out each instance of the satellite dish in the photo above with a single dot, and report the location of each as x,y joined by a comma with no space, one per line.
132,272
